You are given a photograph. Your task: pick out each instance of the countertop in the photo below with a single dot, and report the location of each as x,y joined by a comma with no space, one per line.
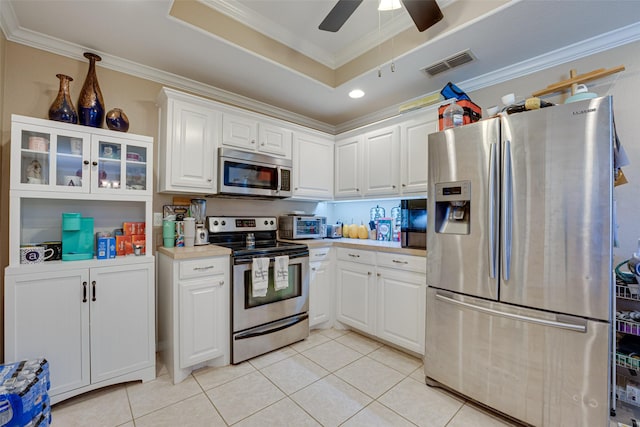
195,251
365,244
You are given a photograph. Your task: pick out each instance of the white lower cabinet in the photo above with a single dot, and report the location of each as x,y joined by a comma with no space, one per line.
320,287
384,295
193,313
95,326
402,298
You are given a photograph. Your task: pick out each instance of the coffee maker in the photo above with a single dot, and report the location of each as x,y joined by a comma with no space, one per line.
199,212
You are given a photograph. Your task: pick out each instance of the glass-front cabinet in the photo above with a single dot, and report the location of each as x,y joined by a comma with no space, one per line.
56,156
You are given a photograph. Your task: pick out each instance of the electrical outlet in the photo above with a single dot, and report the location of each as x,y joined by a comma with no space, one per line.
157,219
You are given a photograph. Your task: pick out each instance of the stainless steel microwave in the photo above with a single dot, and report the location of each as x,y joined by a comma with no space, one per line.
302,227
243,173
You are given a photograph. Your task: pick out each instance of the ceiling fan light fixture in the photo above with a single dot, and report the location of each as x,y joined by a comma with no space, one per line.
356,93
389,5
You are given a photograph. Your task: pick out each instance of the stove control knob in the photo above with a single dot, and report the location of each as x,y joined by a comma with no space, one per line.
215,222
271,223
266,222
224,223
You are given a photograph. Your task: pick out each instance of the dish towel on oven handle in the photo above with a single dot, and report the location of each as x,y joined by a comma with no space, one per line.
260,277
281,271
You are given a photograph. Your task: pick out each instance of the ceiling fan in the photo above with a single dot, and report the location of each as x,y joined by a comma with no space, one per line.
424,13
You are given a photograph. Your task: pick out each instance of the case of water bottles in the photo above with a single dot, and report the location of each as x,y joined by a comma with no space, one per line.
24,394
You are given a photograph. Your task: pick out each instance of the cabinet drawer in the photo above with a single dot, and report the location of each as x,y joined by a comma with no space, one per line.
319,254
402,262
356,255
203,267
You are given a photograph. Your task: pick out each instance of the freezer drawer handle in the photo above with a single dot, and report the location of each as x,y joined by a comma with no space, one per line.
552,323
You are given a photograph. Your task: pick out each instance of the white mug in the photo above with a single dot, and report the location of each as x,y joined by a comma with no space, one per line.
32,180
31,254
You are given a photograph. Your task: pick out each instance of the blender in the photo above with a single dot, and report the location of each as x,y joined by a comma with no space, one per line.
199,212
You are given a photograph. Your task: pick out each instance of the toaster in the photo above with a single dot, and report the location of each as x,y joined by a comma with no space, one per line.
334,231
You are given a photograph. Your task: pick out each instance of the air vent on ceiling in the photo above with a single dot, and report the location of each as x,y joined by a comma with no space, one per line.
449,63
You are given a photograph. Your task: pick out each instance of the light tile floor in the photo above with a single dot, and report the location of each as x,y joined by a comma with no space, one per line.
333,378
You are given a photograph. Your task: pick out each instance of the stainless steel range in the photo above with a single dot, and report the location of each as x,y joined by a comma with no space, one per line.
270,295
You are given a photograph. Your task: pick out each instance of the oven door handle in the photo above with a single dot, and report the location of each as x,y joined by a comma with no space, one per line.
238,261
275,327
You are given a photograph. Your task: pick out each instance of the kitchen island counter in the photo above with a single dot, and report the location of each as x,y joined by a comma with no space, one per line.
194,251
366,244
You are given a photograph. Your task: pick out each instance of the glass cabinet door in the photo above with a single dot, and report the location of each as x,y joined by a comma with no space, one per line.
122,166
51,159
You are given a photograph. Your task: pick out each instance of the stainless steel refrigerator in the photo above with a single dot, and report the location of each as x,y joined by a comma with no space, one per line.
519,263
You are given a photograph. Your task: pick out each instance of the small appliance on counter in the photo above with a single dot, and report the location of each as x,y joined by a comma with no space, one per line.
413,227
199,212
334,231
77,237
295,226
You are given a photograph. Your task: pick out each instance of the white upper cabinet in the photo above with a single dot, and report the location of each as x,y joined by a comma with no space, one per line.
60,157
312,166
414,154
348,179
381,162
189,129
250,134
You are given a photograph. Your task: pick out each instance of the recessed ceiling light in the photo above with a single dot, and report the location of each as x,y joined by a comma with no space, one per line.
356,93
389,5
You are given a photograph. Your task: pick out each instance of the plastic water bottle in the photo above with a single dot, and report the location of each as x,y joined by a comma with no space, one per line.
452,116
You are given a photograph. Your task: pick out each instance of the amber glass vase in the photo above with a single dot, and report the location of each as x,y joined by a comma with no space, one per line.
90,102
62,109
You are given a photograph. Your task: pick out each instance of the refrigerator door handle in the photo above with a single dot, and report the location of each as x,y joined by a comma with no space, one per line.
492,211
507,214
493,312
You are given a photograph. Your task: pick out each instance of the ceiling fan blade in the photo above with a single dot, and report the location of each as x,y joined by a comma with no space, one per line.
339,15
424,13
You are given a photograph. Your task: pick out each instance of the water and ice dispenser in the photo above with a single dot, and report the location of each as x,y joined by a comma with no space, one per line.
453,206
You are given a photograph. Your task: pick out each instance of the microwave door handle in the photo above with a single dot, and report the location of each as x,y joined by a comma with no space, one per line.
279,171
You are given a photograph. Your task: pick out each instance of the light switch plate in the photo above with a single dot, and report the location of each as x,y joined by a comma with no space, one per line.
157,219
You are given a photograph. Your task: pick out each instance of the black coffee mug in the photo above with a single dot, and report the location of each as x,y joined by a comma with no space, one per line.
52,251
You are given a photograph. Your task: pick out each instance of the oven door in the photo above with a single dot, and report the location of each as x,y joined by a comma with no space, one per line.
250,311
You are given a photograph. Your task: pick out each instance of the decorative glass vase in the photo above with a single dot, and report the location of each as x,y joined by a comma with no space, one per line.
117,120
62,109
90,102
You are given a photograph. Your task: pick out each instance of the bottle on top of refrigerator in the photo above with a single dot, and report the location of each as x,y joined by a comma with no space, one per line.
452,116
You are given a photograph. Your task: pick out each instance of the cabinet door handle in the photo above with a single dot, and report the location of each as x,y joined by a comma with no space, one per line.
94,163
203,268
209,179
321,254
378,274
404,185
400,262
313,269
253,141
221,282
262,144
354,255
84,291
93,286
393,186
86,162
368,273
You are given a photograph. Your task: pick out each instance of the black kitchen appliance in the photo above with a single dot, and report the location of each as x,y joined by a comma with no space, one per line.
413,228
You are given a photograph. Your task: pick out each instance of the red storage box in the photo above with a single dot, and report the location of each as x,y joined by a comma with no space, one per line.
472,113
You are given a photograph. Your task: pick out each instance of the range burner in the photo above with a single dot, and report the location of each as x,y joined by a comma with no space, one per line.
231,232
